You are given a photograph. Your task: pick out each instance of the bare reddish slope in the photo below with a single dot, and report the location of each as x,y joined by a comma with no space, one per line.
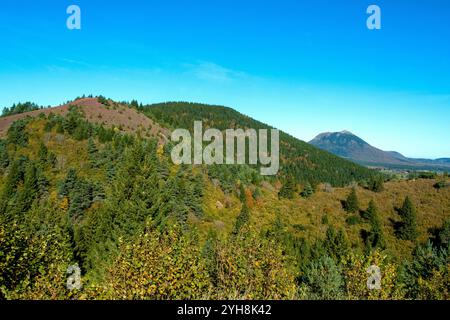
116,115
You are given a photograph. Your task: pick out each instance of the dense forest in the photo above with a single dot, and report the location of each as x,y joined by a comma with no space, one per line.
74,192
301,162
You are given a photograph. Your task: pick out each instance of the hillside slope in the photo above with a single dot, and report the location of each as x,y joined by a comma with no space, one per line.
112,114
299,160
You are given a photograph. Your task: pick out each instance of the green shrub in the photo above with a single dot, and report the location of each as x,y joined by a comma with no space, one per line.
353,220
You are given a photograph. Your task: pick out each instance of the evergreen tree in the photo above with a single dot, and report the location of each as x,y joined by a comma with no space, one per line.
209,254
443,235
288,189
242,195
92,148
30,190
242,219
307,191
375,238
134,103
17,133
92,153
15,176
352,203
336,244
323,279
52,160
69,183
43,154
377,184
408,227
4,156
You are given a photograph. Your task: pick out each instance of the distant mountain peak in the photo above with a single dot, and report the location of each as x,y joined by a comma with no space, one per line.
347,145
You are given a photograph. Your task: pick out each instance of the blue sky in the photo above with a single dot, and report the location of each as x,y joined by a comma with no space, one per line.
302,66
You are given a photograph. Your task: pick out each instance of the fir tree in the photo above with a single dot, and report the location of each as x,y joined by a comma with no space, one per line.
307,191
30,190
92,153
408,227
375,238
287,190
4,156
377,184
242,219
43,154
352,203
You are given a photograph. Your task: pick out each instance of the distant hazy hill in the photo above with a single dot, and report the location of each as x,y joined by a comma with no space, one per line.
347,145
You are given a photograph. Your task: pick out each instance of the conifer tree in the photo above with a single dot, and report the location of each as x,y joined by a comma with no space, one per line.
408,227
242,218
4,157
307,191
43,154
30,190
375,238
288,189
92,153
376,184
352,203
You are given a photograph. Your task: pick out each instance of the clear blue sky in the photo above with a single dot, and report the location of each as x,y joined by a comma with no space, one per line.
302,66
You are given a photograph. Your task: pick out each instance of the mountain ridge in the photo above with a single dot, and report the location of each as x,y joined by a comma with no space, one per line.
349,146
299,160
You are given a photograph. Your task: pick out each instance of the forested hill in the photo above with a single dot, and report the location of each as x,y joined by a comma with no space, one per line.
299,160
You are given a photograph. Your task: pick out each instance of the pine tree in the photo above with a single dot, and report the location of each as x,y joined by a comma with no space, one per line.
242,195
30,190
307,191
92,153
15,176
52,159
352,203
4,156
92,148
242,219
134,103
336,243
375,238
69,183
43,154
377,184
287,190
408,227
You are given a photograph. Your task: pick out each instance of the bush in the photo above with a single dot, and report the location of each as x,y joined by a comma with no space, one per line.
440,185
354,269
353,220
251,267
157,265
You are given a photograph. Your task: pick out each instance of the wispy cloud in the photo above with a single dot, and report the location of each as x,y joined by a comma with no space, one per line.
210,71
